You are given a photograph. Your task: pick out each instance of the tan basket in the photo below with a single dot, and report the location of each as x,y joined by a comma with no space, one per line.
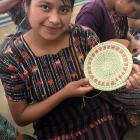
108,65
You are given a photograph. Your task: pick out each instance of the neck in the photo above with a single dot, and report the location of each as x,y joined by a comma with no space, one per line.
40,41
41,46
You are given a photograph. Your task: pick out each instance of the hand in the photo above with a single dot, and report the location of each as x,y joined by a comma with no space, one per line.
77,88
134,46
134,78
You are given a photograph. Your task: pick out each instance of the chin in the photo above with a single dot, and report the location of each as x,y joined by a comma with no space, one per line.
50,37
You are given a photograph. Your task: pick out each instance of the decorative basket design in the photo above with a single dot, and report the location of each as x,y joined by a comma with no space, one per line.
108,65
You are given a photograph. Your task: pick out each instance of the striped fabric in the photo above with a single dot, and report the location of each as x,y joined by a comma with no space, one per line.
119,23
26,76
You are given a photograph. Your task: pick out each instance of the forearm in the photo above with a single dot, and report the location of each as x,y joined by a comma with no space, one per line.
36,111
6,5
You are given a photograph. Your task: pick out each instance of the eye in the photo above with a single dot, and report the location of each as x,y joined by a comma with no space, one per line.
65,10
45,7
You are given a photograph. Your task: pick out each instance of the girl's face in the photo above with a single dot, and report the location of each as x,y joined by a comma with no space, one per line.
126,7
49,18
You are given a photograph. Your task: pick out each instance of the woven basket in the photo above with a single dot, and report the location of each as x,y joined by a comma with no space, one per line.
108,65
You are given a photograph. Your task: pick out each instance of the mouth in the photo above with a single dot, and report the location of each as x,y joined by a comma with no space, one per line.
51,29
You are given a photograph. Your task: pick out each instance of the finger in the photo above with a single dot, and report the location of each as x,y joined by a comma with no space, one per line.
137,79
86,89
136,69
82,82
132,81
129,85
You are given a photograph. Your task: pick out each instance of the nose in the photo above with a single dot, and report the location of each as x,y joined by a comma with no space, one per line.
54,17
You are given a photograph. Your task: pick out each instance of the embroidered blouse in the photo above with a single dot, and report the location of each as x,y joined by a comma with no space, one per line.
26,76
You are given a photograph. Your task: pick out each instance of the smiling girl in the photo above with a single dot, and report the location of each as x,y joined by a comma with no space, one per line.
44,81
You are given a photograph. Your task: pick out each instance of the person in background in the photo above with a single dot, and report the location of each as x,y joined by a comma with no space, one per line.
45,84
18,16
15,8
111,20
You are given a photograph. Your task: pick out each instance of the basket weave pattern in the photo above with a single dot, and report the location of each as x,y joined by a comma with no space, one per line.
108,65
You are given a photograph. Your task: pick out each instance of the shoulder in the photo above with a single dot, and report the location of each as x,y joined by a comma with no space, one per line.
83,33
9,52
81,30
91,12
92,6
10,44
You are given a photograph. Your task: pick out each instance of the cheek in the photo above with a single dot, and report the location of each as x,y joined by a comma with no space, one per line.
35,17
127,10
66,20
34,20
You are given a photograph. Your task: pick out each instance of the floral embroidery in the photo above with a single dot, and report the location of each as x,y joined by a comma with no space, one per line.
26,55
38,82
74,75
8,50
11,68
34,68
58,64
26,73
50,82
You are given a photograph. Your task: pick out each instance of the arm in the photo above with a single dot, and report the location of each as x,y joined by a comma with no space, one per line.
6,5
25,114
134,22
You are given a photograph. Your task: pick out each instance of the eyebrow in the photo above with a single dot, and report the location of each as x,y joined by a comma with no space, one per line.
49,3
42,1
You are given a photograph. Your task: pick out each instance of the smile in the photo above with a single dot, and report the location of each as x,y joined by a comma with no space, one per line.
51,29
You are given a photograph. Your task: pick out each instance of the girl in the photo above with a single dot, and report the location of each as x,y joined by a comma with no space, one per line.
42,74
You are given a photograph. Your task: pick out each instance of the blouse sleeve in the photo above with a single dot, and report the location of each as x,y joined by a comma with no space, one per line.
11,76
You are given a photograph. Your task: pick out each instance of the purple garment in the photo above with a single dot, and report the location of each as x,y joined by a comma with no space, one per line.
95,15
